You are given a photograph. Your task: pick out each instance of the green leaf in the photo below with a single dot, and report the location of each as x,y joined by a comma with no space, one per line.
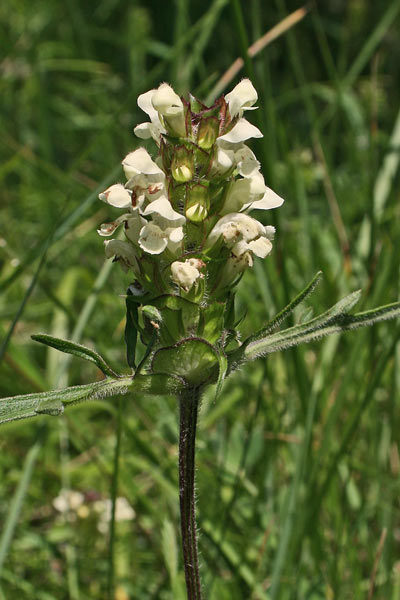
285,312
315,329
274,340
223,368
211,322
75,349
54,402
131,331
194,359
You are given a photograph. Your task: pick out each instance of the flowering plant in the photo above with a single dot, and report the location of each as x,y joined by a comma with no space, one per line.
188,239
188,233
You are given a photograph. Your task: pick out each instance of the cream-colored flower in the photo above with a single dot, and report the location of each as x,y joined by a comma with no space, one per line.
242,234
107,229
246,161
242,131
124,252
140,162
154,238
241,98
170,107
186,273
269,200
243,192
68,500
153,129
162,207
224,161
133,226
116,195
234,226
167,102
145,178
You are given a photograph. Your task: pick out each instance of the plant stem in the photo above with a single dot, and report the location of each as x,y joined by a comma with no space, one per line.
189,404
114,491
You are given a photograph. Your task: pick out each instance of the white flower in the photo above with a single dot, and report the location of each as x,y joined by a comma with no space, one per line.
154,238
246,161
153,129
68,500
166,111
186,273
170,107
140,162
123,510
242,234
269,200
145,178
116,195
162,207
243,193
241,98
124,252
166,101
133,226
261,247
107,229
233,226
223,161
242,131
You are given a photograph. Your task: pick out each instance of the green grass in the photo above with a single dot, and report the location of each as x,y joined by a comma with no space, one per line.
298,459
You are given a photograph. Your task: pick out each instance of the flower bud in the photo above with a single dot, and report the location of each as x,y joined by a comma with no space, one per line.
198,203
152,313
182,165
207,132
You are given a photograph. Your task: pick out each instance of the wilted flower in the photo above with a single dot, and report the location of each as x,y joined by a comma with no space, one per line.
186,273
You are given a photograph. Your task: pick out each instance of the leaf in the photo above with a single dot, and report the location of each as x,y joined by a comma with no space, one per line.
75,349
223,368
131,331
284,313
194,359
340,308
306,333
54,402
212,321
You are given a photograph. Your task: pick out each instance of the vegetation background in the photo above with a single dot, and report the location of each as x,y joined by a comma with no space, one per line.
298,460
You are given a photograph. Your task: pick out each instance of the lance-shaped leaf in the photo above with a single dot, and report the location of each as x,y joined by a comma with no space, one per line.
75,349
306,333
285,312
54,402
340,308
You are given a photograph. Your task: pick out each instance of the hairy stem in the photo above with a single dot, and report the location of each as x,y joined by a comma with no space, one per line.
189,405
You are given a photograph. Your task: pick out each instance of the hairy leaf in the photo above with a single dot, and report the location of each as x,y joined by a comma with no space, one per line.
306,333
75,349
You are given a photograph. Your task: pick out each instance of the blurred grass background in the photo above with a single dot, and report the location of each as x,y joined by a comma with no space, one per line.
298,460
